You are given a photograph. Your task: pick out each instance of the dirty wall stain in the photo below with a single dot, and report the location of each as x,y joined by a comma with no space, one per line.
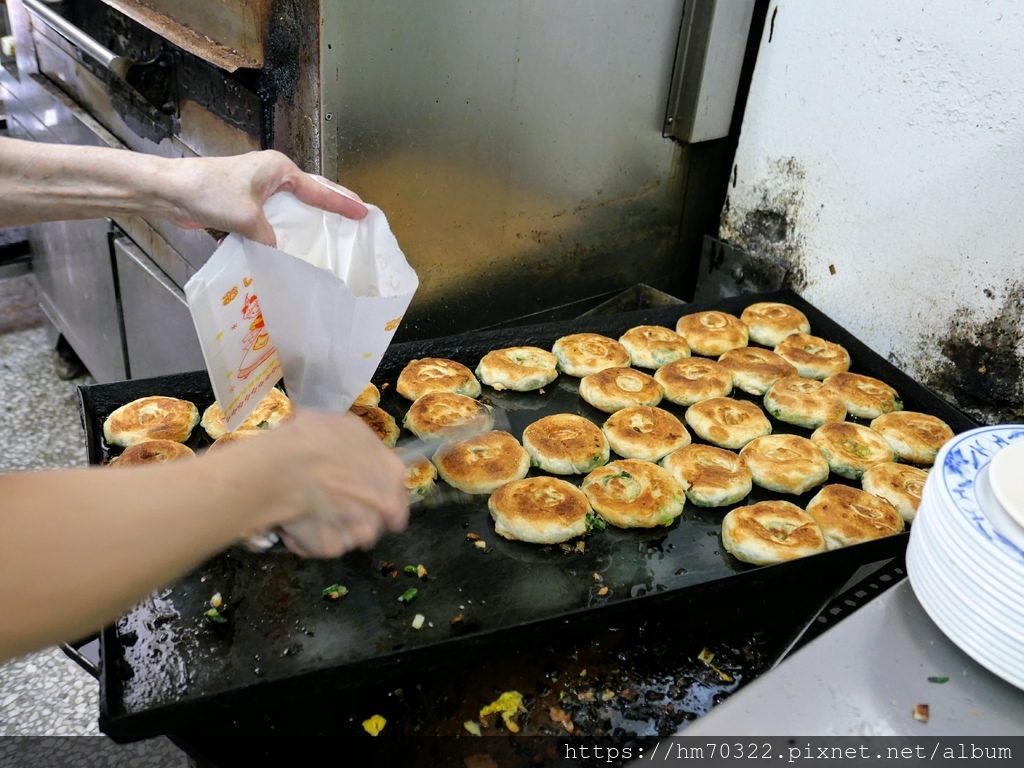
767,230
980,368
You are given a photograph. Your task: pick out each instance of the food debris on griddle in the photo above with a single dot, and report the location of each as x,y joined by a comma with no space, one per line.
508,705
334,592
374,725
921,712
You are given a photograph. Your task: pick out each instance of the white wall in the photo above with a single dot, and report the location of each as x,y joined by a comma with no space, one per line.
888,137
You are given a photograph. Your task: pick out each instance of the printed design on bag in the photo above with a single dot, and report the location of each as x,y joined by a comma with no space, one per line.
253,387
230,296
256,346
392,324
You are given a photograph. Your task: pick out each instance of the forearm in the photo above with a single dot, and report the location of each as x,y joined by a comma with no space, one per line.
79,547
47,182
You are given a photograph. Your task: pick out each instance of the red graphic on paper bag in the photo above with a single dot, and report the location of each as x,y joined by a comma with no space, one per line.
256,344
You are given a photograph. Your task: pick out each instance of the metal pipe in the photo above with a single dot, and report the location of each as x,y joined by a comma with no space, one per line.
117,64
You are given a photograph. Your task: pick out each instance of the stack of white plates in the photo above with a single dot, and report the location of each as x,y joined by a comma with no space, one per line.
965,558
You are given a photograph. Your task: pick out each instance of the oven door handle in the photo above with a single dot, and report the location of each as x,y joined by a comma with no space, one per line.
119,65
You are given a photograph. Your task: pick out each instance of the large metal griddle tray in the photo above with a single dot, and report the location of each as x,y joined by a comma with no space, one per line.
164,665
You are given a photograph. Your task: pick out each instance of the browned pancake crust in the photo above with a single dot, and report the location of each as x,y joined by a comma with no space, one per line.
436,374
769,322
520,369
651,346
634,494
151,418
380,421
916,437
864,396
481,463
851,449
899,484
419,479
710,476
712,333
785,463
542,510
369,396
152,452
754,369
689,381
274,409
438,415
849,515
803,402
581,354
727,423
565,444
813,357
230,438
771,532
642,432
613,389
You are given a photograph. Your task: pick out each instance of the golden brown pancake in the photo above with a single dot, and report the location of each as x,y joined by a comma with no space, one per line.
899,484
727,423
769,322
152,452
380,421
689,381
813,357
540,510
710,476
785,463
851,449
229,438
651,346
613,389
419,479
436,374
274,409
440,415
771,532
754,369
850,516
642,432
565,444
803,402
151,418
712,333
481,463
581,354
864,396
520,369
369,396
916,437
631,493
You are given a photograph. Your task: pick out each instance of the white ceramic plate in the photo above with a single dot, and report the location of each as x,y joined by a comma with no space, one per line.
1006,476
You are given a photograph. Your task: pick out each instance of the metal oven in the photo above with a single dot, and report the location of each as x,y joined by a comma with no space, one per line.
522,167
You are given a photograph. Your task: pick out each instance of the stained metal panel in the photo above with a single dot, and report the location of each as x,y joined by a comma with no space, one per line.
515,146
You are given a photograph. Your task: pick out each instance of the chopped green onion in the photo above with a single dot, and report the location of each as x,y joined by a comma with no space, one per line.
941,679
409,595
214,615
410,569
335,591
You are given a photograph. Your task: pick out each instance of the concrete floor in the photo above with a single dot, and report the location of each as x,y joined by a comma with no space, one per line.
44,693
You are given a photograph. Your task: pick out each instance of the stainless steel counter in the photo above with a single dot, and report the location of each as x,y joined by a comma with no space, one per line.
863,678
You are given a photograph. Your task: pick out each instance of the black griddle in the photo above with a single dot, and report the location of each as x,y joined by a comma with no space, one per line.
165,667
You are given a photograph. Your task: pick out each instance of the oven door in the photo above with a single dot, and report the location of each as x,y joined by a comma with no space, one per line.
159,335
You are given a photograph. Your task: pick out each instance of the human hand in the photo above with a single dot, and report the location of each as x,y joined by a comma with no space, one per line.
228,193
336,486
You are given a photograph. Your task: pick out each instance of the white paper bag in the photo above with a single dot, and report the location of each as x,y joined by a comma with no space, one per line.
320,309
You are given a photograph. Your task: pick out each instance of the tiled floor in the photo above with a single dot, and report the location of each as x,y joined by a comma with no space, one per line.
45,693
